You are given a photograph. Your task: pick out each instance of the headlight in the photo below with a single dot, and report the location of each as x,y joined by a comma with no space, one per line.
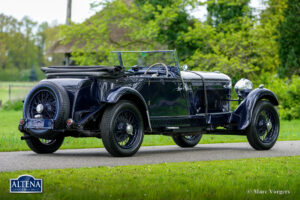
243,87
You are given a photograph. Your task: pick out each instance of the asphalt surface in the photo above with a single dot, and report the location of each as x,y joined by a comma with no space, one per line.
75,158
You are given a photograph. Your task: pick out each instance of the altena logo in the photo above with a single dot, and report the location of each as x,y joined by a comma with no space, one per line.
26,184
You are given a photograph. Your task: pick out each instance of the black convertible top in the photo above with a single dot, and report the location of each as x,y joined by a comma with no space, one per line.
83,71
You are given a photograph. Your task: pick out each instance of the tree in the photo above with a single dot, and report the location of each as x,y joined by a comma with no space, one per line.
289,40
171,34
21,47
120,25
234,43
8,28
30,49
222,13
268,31
33,75
131,25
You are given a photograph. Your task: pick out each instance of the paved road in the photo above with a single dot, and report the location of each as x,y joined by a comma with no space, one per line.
26,160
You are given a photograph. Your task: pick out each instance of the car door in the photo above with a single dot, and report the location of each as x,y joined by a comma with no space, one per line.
166,97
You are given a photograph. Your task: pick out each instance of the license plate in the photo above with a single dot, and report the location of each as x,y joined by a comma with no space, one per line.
39,123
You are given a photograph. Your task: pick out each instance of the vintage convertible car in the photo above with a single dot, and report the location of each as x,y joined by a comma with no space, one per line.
153,96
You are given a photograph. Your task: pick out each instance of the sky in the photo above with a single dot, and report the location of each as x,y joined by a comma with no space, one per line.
47,10
54,11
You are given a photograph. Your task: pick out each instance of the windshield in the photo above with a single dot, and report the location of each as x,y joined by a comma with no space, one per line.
129,59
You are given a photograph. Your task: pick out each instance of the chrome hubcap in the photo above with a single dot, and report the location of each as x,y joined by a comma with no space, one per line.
269,125
129,129
39,108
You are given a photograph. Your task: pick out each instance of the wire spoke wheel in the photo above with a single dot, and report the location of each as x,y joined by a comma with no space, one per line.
126,128
264,126
122,128
190,137
263,130
46,141
187,140
43,105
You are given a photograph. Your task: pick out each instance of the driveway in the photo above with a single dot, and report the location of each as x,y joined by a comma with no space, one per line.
75,158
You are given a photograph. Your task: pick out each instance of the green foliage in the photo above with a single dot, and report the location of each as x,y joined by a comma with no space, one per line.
231,40
224,12
171,34
289,40
13,105
14,75
33,75
288,93
49,36
243,53
128,26
22,48
17,48
117,26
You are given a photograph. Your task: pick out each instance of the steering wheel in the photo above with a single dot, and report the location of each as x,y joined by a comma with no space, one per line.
165,66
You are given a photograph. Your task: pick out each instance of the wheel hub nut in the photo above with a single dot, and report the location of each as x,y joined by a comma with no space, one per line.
269,126
129,129
39,108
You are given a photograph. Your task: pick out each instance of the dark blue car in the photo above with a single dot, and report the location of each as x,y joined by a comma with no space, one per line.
147,93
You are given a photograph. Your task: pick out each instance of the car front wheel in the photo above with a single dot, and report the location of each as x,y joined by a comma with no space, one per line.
264,128
122,129
187,141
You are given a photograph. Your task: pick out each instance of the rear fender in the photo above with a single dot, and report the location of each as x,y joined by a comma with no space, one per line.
128,93
246,107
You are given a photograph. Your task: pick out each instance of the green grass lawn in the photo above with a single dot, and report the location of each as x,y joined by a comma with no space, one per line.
10,136
229,179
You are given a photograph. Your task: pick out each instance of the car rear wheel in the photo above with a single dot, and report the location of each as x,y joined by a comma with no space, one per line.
43,146
122,129
187,141
264,128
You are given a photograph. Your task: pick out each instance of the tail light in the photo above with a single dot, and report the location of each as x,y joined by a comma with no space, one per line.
70,122
22,122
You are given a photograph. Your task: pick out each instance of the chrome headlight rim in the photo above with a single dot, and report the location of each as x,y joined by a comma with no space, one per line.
243,87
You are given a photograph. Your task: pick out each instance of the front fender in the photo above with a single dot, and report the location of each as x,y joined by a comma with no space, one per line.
246,107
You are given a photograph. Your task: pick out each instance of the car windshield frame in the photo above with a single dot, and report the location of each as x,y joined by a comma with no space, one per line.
173,56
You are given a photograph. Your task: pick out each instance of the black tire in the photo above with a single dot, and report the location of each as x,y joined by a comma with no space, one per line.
263,130
114,127
40,147
59,110
187,141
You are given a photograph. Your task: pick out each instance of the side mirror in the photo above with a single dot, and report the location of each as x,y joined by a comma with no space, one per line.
184,67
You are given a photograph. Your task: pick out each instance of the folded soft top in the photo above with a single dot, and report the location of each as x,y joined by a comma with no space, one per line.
86,71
